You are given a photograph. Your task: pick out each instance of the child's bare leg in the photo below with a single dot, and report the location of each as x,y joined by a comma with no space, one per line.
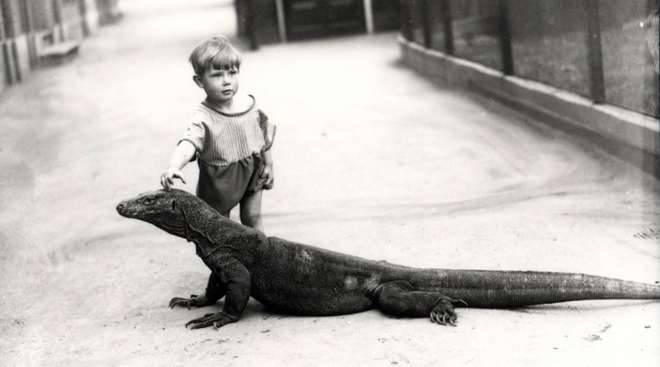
251,210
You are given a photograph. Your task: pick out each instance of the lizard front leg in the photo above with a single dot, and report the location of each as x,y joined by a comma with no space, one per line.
215,290
236,277
400,298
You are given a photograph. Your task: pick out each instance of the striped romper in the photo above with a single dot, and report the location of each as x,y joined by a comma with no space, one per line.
229,149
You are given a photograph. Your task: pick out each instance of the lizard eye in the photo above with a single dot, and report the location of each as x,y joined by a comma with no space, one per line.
148,201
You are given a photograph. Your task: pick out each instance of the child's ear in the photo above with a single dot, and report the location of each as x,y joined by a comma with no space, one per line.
198,81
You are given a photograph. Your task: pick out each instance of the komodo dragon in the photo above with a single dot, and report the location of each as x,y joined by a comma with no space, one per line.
299,279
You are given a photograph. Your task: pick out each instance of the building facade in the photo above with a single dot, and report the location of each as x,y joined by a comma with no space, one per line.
35,32
271,21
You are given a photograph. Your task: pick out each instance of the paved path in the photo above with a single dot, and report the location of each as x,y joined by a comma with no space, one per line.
371,159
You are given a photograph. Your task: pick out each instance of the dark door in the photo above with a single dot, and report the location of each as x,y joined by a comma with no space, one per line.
387,14
319,18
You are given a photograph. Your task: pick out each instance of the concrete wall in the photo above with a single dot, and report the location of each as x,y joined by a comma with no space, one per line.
385,15
43,14
12,71
73,21
4,67
12,17
632,136
30,27
16,49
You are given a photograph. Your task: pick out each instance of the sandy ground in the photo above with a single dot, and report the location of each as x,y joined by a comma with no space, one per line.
371,159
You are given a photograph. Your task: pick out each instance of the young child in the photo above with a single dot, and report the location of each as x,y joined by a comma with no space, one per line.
228,135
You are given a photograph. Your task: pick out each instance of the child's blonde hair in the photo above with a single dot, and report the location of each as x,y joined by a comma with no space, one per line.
216,52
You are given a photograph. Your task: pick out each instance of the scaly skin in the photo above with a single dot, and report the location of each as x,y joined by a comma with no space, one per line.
299,279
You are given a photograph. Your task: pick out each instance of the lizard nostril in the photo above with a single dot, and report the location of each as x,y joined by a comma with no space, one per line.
120,207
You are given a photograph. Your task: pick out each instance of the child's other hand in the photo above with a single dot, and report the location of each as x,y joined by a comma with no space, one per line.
268,177
167,178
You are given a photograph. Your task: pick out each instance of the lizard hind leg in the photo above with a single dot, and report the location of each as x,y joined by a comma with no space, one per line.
401,299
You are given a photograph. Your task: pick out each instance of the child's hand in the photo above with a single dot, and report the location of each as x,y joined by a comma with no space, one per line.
167,178
268,176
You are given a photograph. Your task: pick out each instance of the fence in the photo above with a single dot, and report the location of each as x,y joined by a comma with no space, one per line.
605,50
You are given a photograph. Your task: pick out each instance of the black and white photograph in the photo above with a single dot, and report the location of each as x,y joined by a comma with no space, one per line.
357,183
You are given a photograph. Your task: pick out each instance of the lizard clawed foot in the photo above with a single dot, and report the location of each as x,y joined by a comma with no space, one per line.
217,320
193,301
443,312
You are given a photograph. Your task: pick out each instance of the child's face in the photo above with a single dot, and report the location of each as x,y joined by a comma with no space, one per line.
220,85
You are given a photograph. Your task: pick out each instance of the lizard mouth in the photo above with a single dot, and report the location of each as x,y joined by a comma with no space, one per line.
123,210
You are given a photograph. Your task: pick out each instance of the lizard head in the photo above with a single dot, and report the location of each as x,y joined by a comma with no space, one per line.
161,208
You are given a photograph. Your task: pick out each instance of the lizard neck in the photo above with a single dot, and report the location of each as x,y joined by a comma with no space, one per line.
226,238
214,234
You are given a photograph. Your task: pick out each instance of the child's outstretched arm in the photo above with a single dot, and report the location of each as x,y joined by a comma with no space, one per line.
183,153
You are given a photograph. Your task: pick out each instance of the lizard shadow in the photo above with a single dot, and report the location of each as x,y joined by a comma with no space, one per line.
253,309
591,305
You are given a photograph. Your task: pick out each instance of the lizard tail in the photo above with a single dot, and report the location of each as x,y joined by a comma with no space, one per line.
524,288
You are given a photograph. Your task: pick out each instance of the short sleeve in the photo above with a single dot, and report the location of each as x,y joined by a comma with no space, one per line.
195,134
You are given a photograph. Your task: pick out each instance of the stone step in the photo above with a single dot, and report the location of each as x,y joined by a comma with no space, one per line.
58,53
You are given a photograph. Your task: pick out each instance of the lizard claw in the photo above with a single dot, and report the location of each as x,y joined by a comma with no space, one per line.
462,301
443,313
193,301
217,320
